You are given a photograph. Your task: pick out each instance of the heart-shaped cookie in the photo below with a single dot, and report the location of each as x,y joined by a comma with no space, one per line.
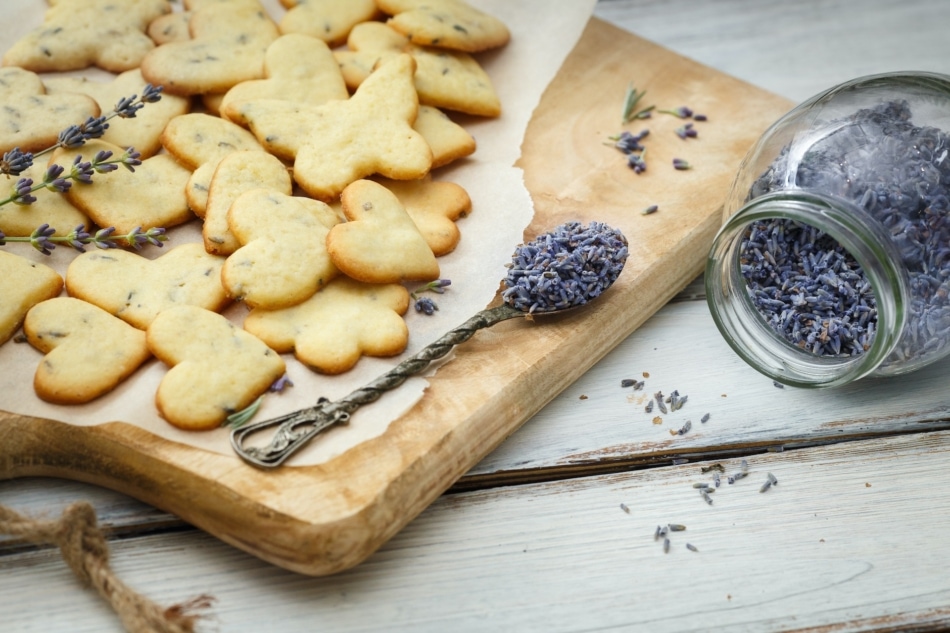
76,34
379,243
88,351
31,119
297,68
152,196
236,173
332,329
283,259
200,141
216,368
136,289
434,206
327,20
23,284
227,45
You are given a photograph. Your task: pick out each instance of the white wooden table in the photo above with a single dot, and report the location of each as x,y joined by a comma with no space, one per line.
536,537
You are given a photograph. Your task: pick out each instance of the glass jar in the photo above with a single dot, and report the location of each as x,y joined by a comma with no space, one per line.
833,262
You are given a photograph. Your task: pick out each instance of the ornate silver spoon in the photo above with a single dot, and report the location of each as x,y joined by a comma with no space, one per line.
558,271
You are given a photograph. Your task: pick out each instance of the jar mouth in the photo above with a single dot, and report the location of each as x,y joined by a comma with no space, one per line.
745,328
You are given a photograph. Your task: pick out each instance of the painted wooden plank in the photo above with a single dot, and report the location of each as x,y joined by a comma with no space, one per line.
849,539
595,421
794,49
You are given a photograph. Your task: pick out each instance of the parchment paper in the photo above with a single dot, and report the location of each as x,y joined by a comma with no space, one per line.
542,34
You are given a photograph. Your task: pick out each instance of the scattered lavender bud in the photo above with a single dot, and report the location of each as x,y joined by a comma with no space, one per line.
686,131
676,527
666,545
628,382
650,209
623,506
649,407
704,419
637,162
426,306
777,384
681,112
281,383
681,164
565,268
765,486
691,547
772,479
700,117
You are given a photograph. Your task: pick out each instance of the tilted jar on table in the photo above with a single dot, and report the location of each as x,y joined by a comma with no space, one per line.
833,262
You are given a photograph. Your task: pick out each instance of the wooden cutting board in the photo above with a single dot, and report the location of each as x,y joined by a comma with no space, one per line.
325,518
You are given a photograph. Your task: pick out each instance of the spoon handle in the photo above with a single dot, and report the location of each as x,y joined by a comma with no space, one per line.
295,430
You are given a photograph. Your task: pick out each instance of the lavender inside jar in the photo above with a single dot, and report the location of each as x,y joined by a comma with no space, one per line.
841,246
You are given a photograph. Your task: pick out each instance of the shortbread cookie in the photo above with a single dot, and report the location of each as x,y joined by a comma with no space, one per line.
136,289
434,207
331,330
77,34
380,243
216,368
151,196
447,23
236,173
326,20
143,132
283,257
31,119
297,68
446,79
51,207
23,284
200,141
342,141
88,351
448,140
227,47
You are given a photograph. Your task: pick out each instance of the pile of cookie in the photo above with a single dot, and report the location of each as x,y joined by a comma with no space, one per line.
304,147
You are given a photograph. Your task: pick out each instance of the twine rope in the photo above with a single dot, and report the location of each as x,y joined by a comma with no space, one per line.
84,548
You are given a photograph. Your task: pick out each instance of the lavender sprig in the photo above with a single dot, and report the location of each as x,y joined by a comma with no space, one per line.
94,127
44,238
57,180
630,101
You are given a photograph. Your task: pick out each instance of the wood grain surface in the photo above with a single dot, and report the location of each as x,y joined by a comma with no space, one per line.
323,519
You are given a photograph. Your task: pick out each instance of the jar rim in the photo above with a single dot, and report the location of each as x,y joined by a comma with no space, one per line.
748,333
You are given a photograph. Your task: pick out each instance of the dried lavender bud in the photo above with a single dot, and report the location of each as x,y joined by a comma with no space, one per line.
280,384
53,180
682,112
15,162
426,305
681,164
23,192
39,239
81,171
628,382
637,162
131,159
565,268
650,209
686,131
700,117
71,137
94,127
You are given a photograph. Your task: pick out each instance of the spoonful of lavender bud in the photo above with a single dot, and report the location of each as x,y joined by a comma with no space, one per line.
558,271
